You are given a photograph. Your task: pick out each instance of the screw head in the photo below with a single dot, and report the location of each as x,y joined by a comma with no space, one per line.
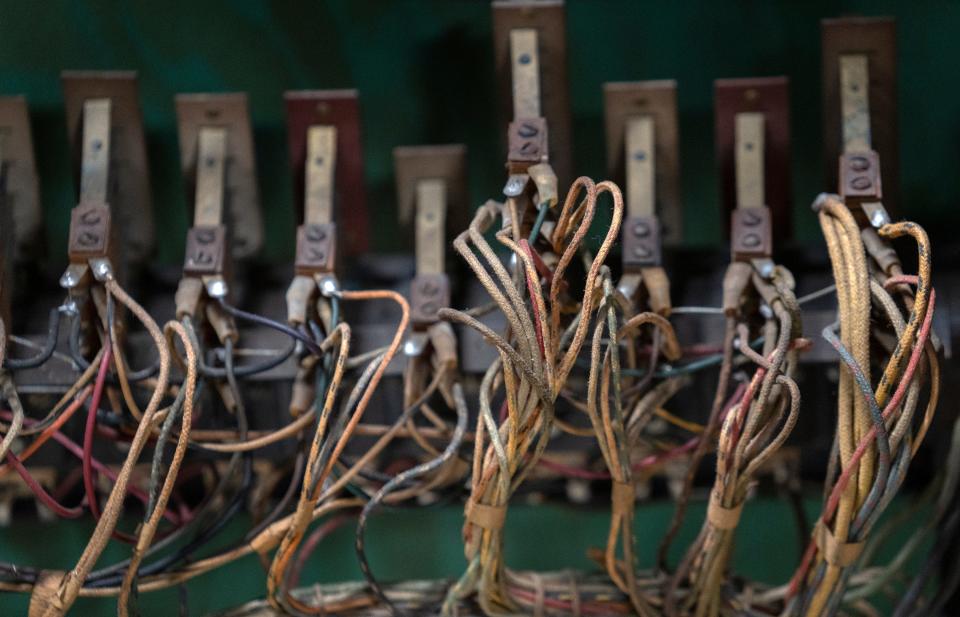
69,279
527,130
429,288
88,238
750,218
316,234
217,288
514,186
750,240
859,163
641,229
642,252
861,183
90,217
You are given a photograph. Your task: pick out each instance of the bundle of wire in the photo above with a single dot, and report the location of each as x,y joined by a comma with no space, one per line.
573,337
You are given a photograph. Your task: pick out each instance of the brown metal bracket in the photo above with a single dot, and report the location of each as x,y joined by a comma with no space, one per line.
769,96
859,53
340,111
633,112
240,194
19,187
530,55
434,178
447,162
122,176
208,248
91,230
527,144
316,238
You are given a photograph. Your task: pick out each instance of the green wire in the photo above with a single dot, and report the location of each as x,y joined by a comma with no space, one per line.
541,217
334,311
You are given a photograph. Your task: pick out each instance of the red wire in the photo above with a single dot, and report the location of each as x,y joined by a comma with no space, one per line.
833,502
77,451
47,432
88,472
87,458
40,492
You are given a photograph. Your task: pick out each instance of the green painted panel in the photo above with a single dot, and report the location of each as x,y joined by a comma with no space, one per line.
425,543
424,70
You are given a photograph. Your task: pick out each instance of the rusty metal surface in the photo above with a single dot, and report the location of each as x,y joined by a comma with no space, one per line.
749,145
641,242
860,177
548,18
428,294
750,233
527,143
316,248
230,112
444,162
210,192
431,241
206,253
129,174
875,37
340,109
658,100
771,97
90,232
21,191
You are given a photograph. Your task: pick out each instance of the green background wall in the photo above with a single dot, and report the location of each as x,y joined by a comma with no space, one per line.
424,71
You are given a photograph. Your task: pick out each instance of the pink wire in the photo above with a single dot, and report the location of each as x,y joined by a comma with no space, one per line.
894,402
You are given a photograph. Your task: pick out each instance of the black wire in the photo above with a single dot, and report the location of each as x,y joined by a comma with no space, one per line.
212,372
275,325
114,575
401,480
83,364
341,422
296,476
53,333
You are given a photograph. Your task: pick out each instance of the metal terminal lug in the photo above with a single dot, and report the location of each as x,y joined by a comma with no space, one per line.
629,285
316,248
329,286
641,242
764,267
515,185
216,287
73,276
102,270
750,234
416,344
527,143
69,307
876,213
428,294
